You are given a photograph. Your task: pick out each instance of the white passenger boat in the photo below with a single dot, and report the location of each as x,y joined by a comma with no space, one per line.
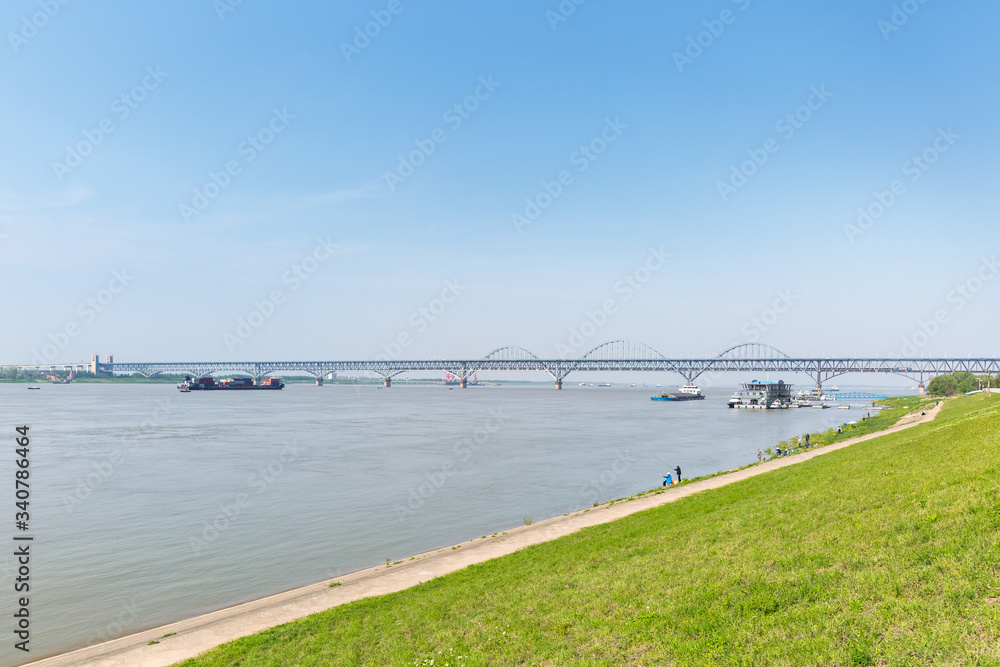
767,395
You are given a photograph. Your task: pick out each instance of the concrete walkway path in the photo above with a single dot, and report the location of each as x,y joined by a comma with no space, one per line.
201,633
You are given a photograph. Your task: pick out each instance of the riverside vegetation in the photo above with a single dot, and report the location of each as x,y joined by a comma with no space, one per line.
883,553
960,383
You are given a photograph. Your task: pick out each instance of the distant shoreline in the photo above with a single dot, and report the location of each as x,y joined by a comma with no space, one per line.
308,380
295,379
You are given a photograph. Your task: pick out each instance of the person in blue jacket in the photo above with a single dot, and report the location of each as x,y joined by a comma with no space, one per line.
667,480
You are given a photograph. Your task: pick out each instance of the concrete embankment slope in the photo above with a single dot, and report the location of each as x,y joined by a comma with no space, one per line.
199,634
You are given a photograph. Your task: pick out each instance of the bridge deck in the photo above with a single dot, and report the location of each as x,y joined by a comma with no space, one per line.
823,369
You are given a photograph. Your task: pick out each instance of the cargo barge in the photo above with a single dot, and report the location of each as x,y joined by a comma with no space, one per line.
208,383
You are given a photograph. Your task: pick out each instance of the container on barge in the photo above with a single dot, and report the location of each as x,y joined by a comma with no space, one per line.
209,383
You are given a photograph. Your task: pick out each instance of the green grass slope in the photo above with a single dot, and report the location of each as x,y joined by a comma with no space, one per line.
884,553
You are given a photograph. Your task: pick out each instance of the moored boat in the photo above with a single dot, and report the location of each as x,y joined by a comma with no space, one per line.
767,395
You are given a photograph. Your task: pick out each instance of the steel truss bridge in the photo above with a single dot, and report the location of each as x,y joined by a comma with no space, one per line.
619,355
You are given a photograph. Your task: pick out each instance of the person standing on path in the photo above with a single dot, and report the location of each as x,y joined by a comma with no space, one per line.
678,471
759,455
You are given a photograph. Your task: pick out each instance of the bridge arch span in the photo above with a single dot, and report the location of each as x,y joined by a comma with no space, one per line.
510,353
752,351
506,358
749,352
622,349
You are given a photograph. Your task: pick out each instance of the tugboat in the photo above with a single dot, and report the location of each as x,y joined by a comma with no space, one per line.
689,392
209,383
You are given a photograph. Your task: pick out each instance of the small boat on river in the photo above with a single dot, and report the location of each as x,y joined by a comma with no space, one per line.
689,392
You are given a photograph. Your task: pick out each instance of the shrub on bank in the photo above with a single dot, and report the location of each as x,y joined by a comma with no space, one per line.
960,383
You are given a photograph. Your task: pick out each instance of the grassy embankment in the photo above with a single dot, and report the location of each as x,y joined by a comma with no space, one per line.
884,553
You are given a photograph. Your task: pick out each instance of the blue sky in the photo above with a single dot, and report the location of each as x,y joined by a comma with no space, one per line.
555,86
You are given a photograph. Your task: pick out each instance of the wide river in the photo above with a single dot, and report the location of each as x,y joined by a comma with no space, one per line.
149,506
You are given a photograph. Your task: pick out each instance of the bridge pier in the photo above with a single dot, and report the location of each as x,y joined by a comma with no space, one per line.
319,382
464,384
387,383
921,389
618,356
